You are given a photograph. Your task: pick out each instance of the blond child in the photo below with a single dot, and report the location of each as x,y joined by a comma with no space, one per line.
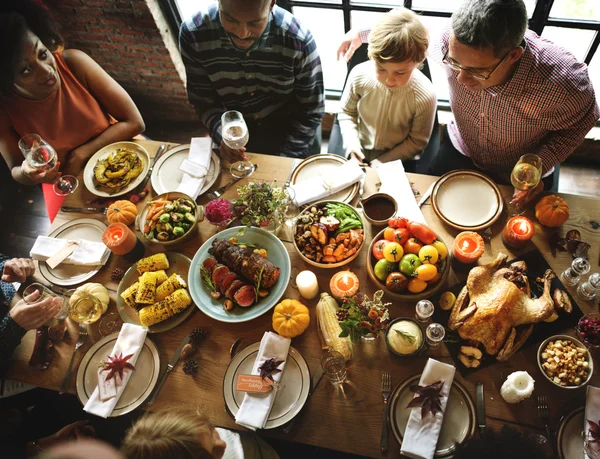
388,105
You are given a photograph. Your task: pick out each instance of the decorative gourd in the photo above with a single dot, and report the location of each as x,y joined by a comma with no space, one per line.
290,318
343,283
94,289
552,211
122,212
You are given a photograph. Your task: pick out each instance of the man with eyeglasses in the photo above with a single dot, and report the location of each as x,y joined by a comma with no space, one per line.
511,92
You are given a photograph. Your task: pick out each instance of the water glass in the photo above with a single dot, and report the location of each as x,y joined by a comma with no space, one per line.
43,293
435,334
334,367
291,208
424,310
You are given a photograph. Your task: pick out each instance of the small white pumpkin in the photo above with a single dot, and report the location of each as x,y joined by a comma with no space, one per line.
517,387
94,289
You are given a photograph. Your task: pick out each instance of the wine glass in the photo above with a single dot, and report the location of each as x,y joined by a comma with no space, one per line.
110,323
525,176
82,307
235,135
40,155
291,208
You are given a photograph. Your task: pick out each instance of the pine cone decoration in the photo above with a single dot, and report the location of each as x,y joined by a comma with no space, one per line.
196,336
190,367
117,274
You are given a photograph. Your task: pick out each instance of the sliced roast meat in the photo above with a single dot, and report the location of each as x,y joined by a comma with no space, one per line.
234,287
219,273
227,281
245,296
209,264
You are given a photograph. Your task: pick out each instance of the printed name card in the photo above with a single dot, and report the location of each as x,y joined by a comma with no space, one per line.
63,253
253,383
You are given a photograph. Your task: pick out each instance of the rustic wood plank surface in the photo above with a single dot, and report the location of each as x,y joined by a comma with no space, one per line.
328,421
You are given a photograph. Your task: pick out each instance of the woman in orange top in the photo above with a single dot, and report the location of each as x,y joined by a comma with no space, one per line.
64,96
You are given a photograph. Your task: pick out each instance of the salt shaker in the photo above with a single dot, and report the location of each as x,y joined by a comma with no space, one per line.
571,276
590,288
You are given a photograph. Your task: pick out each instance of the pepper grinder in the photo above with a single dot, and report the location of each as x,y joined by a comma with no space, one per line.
589,289
571,276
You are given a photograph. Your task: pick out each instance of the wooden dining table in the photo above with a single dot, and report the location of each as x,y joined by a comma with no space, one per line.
350,424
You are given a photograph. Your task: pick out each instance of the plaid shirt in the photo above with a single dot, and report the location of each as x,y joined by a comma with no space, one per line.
278,79
546,108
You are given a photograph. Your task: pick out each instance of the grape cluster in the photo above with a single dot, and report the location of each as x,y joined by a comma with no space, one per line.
589,330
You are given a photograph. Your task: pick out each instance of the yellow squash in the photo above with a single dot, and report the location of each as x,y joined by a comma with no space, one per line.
290,318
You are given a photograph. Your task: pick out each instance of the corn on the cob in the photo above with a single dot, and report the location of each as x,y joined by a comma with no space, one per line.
128,295
330,327
154,314
174,282
161,276
146,292
153,263
178,301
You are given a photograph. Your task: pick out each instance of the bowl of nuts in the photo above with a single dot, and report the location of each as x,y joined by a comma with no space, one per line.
565,362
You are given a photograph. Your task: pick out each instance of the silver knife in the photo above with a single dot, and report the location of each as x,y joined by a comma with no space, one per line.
313,383
218,192
425,197
159,153
170,367
480,410
99,210
294,165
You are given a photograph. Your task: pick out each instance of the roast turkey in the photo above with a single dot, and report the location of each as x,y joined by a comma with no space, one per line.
495,308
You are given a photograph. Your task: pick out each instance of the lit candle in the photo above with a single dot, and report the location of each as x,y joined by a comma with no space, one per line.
468,247
343,283
307,284
518,232
122,241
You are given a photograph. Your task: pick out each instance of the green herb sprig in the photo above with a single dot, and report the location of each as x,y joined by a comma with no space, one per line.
407,336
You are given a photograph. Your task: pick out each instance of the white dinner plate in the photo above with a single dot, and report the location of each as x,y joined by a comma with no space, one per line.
292,392
88,172
467,200
83,228
459,416
166,175
568,435
140,384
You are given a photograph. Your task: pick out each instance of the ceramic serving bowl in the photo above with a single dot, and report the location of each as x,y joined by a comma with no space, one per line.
389,329
373,219
302,224
578,344
407,296
171,196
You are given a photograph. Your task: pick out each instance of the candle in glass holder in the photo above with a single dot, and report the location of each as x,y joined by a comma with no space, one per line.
518,232
122,241
468,247
343,284
307,284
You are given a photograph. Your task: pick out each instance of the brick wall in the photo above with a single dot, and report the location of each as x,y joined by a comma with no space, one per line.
133,42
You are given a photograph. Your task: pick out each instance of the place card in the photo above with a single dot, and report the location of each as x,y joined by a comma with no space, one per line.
192,168
63,253
253,383
107,389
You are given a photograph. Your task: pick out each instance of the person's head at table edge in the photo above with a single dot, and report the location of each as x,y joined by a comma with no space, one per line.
486,42
398,44
181,433
28,67
244,21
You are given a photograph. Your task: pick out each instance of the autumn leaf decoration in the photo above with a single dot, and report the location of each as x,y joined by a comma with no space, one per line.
269,367
116,365
594,432
428,398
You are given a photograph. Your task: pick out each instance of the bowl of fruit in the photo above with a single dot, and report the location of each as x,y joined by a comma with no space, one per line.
408,260
329,234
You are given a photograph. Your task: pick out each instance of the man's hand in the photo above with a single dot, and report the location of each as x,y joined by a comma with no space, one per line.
17,269
231,155
522,198
359,158
75,431
32,316
350,43
40,175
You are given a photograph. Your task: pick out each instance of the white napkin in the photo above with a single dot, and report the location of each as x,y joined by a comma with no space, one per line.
395,183
255,408
421,436
200,153
130,341
330,181
88,253
592,409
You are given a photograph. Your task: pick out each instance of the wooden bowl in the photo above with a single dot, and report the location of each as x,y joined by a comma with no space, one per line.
327,265
408,297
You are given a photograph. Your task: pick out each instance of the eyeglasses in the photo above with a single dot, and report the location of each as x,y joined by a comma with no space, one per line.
457,67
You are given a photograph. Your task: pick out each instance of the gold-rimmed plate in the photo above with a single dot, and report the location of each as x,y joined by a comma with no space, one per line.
568,434
467,200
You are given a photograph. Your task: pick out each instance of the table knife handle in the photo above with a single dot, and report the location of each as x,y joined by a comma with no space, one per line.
383,444
65,384
158,387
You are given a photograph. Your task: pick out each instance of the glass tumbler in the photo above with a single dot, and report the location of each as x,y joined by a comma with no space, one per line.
334,367
42,293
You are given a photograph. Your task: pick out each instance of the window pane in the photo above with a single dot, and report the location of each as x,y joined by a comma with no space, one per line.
436,5
594,70
576,9
323,1
575,40
188,8
383,3
327,27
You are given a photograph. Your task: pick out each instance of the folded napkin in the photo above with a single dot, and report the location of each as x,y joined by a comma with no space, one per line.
421,435
255,408
87,253
395,183
130,341
592,409
200,153
330,181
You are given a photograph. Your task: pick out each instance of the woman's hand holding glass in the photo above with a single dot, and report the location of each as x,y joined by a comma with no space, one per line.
32,312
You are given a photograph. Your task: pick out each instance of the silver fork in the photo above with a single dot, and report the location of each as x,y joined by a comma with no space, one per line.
487,235
386,391
544,416
83,334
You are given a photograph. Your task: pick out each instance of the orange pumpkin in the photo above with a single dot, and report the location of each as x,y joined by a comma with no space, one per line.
122,212
552,211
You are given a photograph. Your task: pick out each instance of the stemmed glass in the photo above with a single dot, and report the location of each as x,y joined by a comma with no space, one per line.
525,176
235,135
291,210
40,155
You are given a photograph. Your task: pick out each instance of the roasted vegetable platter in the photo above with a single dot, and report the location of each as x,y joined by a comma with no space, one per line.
238,263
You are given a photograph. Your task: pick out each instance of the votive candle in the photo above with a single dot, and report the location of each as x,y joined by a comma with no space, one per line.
468,247
119,238
518,231
307,284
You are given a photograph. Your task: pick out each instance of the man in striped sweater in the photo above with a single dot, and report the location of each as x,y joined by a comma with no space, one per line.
256,58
